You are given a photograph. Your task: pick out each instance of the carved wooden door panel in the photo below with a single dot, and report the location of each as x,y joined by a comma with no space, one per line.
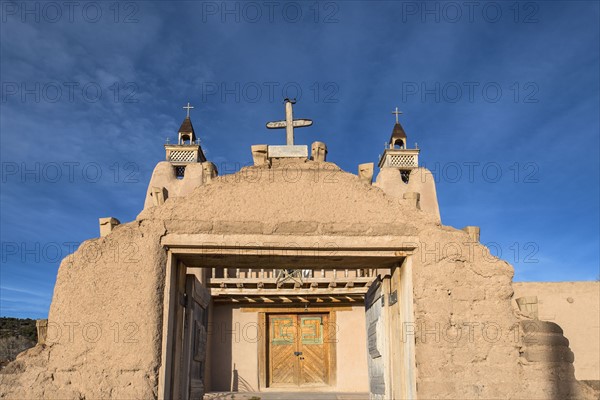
283,360
298,350
195,339
314,357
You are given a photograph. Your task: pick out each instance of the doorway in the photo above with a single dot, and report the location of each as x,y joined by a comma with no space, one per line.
256,301
298,349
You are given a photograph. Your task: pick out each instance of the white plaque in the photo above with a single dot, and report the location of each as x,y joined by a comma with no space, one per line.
288,151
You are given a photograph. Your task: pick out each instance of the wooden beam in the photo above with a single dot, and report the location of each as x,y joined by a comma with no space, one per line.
216,292
272,281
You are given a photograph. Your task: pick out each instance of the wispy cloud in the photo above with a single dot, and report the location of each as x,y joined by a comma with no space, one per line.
353,63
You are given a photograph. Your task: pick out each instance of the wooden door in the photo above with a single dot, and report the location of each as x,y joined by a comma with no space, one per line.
194,339
376,340
283,360
298,350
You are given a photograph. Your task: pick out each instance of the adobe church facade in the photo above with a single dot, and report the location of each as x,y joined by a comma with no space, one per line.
291,275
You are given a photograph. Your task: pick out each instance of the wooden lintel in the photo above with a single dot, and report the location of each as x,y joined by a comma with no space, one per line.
338,300
340,291
272,281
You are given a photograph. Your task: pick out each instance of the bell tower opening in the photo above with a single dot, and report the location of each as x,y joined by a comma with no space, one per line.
398,144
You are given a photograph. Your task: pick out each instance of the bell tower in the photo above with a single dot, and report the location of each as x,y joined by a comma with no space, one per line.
397,154
187,150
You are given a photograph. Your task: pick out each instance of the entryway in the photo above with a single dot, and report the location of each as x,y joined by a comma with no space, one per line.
270,335
298,350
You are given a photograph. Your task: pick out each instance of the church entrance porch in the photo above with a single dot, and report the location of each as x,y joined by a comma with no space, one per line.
271,328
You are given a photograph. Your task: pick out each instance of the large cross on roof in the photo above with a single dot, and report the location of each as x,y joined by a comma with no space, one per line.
290,123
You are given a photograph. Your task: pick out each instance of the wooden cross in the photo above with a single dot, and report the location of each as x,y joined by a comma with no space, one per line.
290,123
397,113
188,107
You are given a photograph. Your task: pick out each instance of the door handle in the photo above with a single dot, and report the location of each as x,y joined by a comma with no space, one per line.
297,353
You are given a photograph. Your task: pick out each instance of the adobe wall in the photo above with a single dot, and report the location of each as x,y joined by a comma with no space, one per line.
463,321
352,371
234,350
104,324
470,341
575,306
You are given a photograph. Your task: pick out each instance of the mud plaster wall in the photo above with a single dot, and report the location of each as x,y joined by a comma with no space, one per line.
464,341
104,322
233,338
352,373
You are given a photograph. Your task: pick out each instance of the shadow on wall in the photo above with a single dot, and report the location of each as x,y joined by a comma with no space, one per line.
239,384
223,335
220,339
548,356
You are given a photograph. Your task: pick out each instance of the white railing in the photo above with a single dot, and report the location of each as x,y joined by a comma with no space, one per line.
263,281
403,160
182,155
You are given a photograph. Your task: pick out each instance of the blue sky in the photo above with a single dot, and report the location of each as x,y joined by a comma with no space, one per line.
502,98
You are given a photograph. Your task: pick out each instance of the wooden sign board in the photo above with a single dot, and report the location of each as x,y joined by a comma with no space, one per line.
297,123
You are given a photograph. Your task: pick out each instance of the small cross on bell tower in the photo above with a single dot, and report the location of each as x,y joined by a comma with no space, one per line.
397,154
186,130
